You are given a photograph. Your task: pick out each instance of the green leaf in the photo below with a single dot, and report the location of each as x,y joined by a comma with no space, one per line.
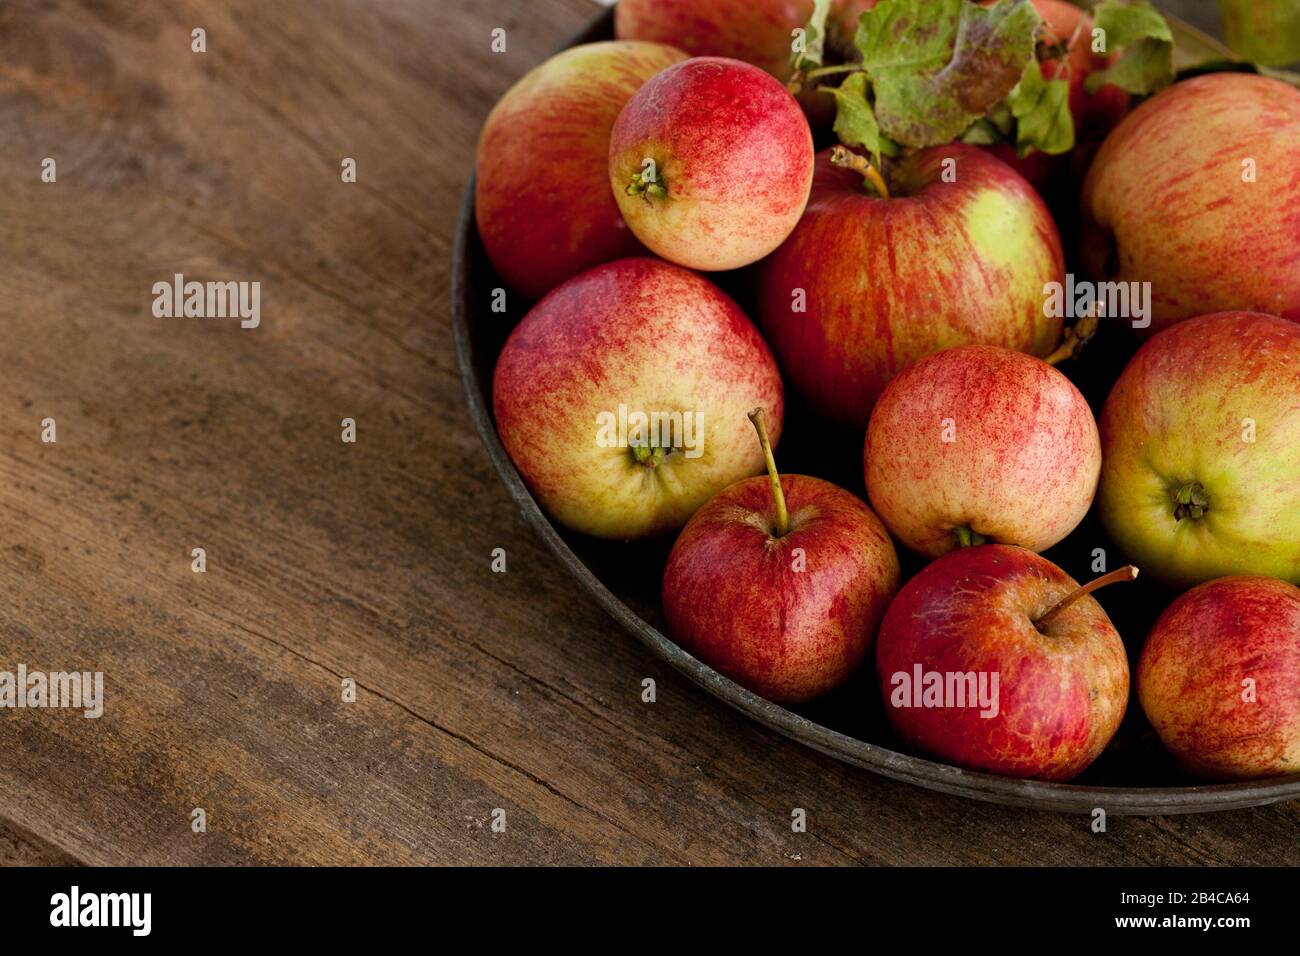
1265,31
982,133
814,52
1147,61
855,122
937,66
1042,112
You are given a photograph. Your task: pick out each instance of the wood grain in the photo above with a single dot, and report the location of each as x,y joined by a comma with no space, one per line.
329,560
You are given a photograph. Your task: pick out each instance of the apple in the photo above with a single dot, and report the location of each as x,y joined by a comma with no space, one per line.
780,583
1219,678
621,398
1201,451
760,32
1197,192
980,444
867,284
541,201
992,658
711,162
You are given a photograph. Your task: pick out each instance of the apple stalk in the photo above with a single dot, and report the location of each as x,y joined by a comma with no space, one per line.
847,159
1126,573
782,516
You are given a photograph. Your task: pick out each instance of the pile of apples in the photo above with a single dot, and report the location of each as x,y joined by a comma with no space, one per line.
621,185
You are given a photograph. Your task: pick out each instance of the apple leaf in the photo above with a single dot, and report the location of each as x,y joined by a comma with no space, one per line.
810,50
937,66
855,121
1042,111
1147,61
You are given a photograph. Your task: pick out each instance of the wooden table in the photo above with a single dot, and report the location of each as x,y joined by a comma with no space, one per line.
329,560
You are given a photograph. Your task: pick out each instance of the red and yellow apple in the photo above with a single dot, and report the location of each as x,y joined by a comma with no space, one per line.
981,444
541,195
622,398
1197,192
1201,451
1219,678
993,658
958,254
760,32
779,583
711,163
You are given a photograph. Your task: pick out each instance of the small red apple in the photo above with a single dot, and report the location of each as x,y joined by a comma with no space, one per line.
779,583
1219,678
621,398
980,444
711,162
541,201
760,32
957,254
994,659
1197,192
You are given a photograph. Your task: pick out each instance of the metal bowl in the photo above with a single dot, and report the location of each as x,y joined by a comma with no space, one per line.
1135,776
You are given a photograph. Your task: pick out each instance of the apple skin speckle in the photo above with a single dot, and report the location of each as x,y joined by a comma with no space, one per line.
1062,694
656,338
1193,673
1021,468
788,627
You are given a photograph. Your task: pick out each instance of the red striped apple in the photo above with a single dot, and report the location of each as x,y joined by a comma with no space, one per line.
1201,451
980,444
541,201
760,32
994,659
1197,192
780,582
621,398
959,253
711,162
1219,678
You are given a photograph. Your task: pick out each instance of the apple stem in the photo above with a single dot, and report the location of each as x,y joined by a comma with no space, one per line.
847,159
782,516
967,537
802,79
1127,573
1076,337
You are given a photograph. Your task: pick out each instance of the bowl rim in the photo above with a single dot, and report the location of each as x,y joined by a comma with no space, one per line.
919,771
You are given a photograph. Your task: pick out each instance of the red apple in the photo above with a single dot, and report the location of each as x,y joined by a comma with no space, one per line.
760,32
541,201
1068,26
1197,192
1219,678
1201,451
779,583
866,285
621,398
711,163
993,658
981,444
